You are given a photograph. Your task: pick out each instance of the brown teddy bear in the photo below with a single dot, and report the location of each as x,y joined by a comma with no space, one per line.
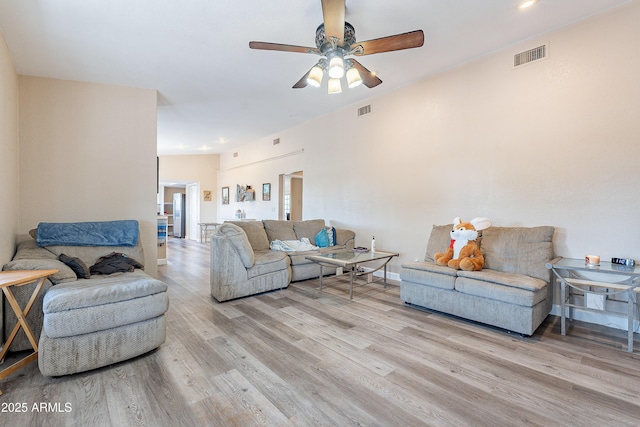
463,252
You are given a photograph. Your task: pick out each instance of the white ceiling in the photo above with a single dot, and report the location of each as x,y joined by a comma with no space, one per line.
212,87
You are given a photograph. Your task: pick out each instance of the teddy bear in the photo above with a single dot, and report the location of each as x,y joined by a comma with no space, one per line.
463,252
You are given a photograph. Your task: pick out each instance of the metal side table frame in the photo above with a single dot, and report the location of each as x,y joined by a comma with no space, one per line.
574,278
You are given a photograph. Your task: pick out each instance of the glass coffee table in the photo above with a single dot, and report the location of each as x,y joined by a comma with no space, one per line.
350,260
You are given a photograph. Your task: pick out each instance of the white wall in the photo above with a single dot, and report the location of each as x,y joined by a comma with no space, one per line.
256,164
196,168
88,153
551,143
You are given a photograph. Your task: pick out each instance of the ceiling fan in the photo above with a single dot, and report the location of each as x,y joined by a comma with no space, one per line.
336,39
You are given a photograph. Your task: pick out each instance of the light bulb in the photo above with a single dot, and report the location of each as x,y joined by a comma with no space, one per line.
315,77
336,67
353,78
334,86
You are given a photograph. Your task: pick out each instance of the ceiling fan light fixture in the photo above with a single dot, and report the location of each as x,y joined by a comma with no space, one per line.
315,76
334,86
353,78
336,67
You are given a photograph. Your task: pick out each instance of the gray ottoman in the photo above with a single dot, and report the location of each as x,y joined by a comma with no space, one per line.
93,323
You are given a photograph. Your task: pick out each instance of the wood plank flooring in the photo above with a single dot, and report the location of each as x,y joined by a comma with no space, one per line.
298,357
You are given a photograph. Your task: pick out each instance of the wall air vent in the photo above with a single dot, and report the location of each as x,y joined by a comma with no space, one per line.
235,154
364,110
276,141
535,54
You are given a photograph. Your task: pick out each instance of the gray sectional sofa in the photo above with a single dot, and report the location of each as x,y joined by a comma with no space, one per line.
87,323
243,264
513,291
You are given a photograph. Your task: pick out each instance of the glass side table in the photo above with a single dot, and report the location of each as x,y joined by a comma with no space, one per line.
625,280
16,278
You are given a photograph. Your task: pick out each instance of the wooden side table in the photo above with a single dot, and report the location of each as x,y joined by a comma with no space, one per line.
20,278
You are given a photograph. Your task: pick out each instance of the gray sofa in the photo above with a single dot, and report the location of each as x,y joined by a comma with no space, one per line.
512,292
83,324
243,264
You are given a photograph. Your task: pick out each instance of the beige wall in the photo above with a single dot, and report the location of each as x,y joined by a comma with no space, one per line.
9,175
88,153
551,143
202,169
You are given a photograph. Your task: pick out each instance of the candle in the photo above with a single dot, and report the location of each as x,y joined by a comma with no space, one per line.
592,259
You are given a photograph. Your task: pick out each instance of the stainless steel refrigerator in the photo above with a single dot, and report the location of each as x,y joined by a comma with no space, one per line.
179,223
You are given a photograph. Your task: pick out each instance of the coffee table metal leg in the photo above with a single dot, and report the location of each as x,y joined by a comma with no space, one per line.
351,270
320,277
385,276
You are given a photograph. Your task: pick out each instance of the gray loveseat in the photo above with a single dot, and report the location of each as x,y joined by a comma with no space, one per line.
512,292
243,264
83,324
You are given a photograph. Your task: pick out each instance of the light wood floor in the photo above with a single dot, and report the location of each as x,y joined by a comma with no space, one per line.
301,358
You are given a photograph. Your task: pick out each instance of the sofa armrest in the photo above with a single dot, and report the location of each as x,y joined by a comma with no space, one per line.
345,238
235,240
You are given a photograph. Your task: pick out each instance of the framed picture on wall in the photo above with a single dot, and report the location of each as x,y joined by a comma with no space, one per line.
207,195
266,192
225,195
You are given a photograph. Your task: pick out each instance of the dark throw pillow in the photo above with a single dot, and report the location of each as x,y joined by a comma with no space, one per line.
77,265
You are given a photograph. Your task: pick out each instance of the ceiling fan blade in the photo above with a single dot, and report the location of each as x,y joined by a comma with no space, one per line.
283,47
302,82
369,79
333,13
387,44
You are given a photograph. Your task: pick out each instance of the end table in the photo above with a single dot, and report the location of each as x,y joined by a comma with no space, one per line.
20,278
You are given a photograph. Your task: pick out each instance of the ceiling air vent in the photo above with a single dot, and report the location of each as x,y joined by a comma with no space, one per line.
530,55
364,110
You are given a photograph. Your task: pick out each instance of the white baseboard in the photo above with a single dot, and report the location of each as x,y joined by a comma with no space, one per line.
380,273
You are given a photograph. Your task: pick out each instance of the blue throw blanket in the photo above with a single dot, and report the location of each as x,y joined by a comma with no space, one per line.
103,233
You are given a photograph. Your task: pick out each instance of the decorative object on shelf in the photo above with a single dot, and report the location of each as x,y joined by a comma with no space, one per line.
207,195
592,260
266,192
225,195
245,194
335,40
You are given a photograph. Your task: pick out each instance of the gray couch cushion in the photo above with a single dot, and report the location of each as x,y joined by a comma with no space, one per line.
268,262
518,250
438,241
308,228
255,233
64,274
239,241
428,273
28,249
514,280
279,230
516,292
101,290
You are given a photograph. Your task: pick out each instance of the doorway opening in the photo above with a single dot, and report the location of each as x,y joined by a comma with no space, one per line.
290,189
179,201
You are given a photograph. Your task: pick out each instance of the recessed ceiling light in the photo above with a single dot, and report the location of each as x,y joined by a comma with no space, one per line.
526,4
